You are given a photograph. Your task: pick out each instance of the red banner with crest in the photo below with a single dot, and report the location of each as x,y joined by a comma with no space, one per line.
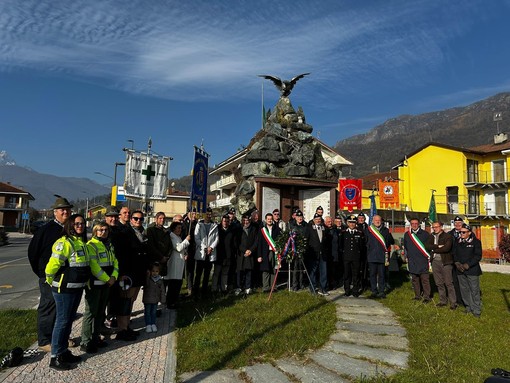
349,194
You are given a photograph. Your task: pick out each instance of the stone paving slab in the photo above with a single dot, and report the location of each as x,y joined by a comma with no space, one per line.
367,318
395,342
308,372
392,357
356,302
344,365
371,328
265,373
221,376
364,310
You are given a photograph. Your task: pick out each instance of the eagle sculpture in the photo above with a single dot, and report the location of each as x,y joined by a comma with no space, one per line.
285,87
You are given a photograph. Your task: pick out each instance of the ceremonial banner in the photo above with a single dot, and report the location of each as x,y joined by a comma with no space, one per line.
432,209
146,176
388,194
373,209
199,180
349,194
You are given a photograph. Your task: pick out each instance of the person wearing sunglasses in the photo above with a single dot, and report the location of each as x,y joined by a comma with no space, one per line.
67,272
133,265
467,256
103,263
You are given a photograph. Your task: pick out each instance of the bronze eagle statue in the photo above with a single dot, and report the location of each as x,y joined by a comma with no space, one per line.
285,87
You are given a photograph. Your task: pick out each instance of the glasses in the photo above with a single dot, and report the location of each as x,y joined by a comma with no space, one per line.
136,219
102,230
78,224
464,231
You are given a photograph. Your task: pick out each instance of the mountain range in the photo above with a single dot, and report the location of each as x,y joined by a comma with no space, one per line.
43,187
381,148
386,145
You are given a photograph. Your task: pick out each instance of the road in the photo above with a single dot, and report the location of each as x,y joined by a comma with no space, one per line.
18,284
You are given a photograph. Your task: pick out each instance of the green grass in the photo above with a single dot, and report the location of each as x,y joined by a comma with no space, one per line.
18,328
232,332
450,346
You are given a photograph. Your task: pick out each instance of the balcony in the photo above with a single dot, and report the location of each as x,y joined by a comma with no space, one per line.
223,183
497,179
220,203
495,209
10,206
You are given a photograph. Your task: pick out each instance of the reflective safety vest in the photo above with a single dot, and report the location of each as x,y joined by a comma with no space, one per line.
103,262
69,266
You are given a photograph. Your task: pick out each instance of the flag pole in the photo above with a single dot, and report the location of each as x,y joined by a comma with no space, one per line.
263,111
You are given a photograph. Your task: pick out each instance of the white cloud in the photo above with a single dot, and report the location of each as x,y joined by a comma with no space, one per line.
202,50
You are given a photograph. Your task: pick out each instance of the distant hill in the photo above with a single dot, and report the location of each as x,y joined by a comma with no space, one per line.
386,144
44,186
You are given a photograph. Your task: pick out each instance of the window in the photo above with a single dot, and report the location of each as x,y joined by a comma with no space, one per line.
498,171
452,199
500,198
472,171
473,204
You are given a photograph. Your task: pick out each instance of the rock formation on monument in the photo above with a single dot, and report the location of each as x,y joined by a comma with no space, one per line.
283,148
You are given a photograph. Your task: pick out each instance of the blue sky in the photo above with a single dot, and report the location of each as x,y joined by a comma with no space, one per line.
80,78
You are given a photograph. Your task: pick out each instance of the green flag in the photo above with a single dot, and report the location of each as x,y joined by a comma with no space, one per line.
432,209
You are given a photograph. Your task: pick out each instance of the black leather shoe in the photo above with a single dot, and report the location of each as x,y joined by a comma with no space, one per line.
126,336
88,348
68,357
132,332
57,364
101,344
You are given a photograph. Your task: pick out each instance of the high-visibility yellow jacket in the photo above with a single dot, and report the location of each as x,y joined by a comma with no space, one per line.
69,266
103,262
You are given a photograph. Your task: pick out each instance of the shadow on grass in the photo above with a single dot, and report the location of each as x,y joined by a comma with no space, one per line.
225,359
506,294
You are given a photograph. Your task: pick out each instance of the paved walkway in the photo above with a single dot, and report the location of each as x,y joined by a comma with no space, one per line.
368,341
149,359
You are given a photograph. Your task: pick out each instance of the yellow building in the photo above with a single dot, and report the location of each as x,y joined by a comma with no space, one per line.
470,182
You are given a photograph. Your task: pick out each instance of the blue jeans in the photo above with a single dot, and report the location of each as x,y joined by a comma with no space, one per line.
67,306
150,313
377,271
318,267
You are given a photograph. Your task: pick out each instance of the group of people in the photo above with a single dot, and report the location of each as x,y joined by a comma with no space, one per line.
111,268
454,258
122,257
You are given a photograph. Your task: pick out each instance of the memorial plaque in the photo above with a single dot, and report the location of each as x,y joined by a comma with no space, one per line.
270,200
312,199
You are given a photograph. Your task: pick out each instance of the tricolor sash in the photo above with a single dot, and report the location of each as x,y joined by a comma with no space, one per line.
419,245
377,234
267,236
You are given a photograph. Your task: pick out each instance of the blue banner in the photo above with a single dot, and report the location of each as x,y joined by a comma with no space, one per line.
199,180
373,209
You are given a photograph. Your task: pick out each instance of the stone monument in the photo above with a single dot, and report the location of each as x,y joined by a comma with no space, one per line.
283,149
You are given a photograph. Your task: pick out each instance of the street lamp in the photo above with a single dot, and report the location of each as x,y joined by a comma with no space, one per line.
115,172
105,175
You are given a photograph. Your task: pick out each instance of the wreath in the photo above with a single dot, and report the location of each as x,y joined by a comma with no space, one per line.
290,244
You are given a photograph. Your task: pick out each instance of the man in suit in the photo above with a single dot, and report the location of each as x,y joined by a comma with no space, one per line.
247,251
266,252
318,241
379,240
